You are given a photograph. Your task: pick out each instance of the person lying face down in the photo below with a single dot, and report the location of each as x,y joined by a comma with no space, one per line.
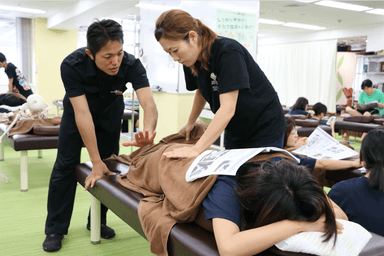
277,199
292,142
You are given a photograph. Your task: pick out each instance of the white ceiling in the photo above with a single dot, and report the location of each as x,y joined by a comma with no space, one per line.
71,14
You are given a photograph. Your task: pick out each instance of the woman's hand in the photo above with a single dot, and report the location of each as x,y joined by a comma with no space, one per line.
300,142
182,153
141,139
186,130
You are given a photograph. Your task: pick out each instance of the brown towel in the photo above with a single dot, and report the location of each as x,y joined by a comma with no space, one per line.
24,126
169,198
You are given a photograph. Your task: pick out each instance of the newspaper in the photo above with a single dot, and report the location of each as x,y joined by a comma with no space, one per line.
321,145
367,105
225,162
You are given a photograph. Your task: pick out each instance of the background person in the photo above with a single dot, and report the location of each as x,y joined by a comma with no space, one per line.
94,78
17,81
224,74
300,107
320,110
362,199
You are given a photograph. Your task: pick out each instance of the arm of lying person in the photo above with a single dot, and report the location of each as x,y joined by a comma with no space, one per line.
331,165
339,213
231,241
86,128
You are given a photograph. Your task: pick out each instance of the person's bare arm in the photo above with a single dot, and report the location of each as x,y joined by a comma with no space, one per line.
329,164
219,122
10,85
86,128
339,213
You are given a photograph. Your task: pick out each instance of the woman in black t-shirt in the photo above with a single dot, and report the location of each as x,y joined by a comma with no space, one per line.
225,75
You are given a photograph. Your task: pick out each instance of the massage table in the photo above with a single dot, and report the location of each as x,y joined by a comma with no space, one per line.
185,238
42,138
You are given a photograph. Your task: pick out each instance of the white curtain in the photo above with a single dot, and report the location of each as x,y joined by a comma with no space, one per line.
305,69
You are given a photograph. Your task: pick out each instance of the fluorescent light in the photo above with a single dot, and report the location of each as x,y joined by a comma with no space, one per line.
157,6
271,22
20,9
376,11
306,1
304,26
345,6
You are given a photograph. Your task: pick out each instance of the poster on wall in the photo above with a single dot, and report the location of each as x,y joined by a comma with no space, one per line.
239,26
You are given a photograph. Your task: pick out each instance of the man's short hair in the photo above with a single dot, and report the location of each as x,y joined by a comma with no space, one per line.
366,83
12,100
2,57
99,33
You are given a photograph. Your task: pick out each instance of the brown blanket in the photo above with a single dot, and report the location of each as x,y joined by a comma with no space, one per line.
169,198
24,126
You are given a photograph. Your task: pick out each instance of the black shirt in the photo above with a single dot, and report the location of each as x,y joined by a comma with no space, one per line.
19,80
259,116
80,76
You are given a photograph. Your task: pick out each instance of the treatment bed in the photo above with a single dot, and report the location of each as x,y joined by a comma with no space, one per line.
185,238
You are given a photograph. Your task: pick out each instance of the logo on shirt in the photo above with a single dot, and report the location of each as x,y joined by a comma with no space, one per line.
214,83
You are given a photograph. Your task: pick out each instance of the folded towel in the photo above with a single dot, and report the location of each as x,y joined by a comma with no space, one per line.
350,242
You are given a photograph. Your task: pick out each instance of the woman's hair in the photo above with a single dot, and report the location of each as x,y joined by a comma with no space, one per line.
366,83
2,57
319,108
176,25
290,126
273,191
372,153
12,100
99,33
301,103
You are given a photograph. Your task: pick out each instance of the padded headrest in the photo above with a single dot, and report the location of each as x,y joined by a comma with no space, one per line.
296,116
378,121
307,122
46,130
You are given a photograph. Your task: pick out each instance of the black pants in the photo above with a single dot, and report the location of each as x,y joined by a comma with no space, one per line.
62,186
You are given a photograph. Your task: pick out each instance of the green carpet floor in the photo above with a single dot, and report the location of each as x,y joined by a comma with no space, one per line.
23,214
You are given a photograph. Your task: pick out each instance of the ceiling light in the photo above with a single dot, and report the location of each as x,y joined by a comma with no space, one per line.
304,26
345,6
306,1
376,11
271,22
157,6
20,9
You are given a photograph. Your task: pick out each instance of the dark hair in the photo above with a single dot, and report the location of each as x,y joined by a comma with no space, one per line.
301,103
2,57
12,100
99,33
319,108
372,153
274,191
176,25
290,126
366,83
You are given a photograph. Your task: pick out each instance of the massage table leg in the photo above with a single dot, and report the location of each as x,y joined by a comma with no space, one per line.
39,153
1,151
23,170
95,220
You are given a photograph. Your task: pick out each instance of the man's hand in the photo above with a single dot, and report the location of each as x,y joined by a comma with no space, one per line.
141,139
186,130
98,171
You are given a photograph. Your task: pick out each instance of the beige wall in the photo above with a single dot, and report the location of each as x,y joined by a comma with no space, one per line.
174,110
51,47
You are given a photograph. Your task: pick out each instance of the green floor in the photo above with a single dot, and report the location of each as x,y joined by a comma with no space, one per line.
22,214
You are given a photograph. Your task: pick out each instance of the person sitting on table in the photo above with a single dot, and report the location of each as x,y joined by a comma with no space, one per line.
273,200
17,81
300,107
224,74
293,142
368,94
362,199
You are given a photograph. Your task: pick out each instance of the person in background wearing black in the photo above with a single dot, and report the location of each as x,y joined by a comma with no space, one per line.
94,78
17,81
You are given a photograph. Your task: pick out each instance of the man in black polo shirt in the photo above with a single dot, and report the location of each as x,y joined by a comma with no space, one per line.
94,78
17,81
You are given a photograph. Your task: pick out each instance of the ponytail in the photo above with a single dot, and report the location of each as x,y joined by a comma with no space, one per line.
376,176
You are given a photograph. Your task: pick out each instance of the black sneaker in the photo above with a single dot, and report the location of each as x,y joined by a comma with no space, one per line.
52,242
106,232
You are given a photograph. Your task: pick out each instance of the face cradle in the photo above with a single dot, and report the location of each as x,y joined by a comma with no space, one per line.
182,51
109,58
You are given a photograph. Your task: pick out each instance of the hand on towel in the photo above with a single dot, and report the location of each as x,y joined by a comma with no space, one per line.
99,169
141,139
182,153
